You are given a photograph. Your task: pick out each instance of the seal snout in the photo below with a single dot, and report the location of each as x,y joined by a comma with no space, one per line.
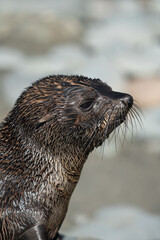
123,98
127,100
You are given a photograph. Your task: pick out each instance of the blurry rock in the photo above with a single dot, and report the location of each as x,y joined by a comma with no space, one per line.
145,90
153,5
10,60
77,238
120,35
151,123
3,105
62,8
121,223
37,32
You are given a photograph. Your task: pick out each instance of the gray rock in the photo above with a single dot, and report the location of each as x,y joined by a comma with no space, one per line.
36,33
121,223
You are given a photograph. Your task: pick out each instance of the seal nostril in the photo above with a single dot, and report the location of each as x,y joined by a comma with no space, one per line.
128,100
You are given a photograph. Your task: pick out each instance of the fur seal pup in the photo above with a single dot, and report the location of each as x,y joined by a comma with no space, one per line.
44,143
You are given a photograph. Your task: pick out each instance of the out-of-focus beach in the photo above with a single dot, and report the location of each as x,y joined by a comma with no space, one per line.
118,196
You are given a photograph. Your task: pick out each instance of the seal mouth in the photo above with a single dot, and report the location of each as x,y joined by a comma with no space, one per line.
112,121
106,128
117,122
112,127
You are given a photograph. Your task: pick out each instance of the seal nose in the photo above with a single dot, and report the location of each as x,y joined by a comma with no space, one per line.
124,98
127,100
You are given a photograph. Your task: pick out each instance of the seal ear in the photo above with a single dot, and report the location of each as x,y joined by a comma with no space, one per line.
44,119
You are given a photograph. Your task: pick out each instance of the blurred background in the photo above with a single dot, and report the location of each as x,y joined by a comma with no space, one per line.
118,41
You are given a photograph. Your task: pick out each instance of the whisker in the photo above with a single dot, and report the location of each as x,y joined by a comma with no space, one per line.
123,128
138,110
115,138
137,116
136,104
130,121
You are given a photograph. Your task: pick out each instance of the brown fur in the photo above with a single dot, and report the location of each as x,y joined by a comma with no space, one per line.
44,143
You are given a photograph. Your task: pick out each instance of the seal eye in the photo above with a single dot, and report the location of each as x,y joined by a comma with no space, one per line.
87,104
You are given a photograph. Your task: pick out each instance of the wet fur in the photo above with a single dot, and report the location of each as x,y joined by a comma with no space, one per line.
44,143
